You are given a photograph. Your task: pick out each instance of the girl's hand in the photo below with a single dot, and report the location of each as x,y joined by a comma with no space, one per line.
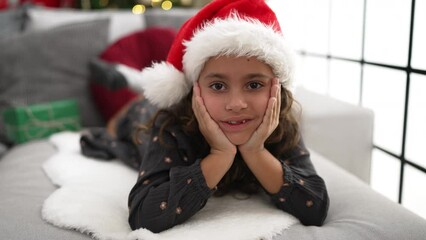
269,123
215,137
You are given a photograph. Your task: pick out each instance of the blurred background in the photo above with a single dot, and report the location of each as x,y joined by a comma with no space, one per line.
108,4
370,53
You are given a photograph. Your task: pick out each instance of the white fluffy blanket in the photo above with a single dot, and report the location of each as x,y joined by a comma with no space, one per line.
92,198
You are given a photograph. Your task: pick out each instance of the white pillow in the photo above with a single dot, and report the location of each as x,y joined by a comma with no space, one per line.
122,22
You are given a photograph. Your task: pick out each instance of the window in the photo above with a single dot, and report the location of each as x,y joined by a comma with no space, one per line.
371,53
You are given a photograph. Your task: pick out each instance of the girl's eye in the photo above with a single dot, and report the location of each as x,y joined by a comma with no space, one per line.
217,86
254,85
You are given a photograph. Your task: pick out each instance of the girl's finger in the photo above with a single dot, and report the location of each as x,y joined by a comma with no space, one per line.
278,108
275,93
196,104
197,90
269,112
200,110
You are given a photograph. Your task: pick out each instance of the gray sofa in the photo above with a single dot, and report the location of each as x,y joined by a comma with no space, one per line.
338,134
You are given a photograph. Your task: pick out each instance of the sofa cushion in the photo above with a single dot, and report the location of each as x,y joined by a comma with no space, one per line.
122,22
51,65
137,51
338,130
11,22
173,18
356,211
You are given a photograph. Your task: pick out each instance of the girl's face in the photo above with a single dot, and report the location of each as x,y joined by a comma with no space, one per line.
236,91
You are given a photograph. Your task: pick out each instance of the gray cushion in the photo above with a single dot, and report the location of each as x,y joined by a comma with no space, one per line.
173,18
340,131
356,211
21,200
11,22
3,149
52,65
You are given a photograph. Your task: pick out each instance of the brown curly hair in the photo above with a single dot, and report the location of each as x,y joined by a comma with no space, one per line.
285,137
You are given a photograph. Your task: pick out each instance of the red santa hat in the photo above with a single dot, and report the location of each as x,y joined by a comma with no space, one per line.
223,27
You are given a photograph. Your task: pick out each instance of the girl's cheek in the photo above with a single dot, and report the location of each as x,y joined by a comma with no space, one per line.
212,108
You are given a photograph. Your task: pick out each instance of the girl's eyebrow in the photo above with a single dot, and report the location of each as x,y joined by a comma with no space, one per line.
257,75
215,75
248,76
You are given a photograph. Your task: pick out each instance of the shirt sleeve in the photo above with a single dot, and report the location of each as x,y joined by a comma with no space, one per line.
171,187
303,194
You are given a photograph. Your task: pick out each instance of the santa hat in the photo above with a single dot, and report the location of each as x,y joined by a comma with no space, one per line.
223,27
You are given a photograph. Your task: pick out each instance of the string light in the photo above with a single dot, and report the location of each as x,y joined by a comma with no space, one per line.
140,6
167,5
138,9
156,3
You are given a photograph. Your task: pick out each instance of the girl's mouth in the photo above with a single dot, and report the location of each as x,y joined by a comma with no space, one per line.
235,125
236,122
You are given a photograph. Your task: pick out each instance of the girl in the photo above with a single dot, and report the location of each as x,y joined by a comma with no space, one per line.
225,121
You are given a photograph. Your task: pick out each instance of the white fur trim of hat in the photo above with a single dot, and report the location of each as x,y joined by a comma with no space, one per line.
167,83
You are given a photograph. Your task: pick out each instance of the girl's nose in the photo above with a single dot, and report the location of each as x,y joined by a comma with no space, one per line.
236,102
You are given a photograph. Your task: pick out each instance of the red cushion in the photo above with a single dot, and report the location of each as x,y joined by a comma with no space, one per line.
3,4
46,3
138,50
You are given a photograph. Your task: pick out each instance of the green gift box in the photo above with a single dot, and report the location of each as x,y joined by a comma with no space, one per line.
41,120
